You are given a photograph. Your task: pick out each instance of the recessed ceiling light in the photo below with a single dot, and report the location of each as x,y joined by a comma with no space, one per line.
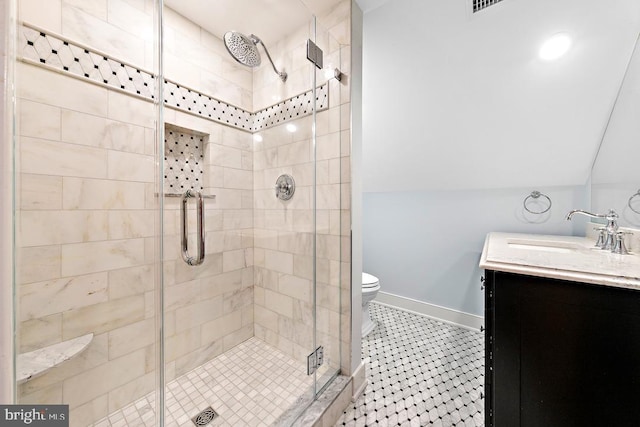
556,46
291,128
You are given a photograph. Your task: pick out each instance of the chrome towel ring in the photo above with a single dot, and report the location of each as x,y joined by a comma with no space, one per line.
637,194
534,196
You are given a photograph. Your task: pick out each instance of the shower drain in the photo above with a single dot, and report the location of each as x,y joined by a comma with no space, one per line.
205,417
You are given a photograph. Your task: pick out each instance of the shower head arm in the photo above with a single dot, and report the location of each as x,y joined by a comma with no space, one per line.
282,74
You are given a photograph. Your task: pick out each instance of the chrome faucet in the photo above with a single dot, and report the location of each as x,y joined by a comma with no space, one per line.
610,238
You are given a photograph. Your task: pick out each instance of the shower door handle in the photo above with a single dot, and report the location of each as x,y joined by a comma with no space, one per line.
199,259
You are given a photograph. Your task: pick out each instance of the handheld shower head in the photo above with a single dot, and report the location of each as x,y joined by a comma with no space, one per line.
245,50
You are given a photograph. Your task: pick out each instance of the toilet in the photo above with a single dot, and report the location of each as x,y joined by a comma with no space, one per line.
370,288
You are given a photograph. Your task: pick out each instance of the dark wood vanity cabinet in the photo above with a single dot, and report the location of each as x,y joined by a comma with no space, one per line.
560,353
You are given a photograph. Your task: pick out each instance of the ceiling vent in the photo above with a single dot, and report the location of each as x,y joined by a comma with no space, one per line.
478,5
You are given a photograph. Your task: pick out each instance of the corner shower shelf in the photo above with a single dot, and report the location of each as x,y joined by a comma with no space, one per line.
37,362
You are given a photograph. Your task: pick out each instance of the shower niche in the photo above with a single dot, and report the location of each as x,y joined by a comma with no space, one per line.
183,159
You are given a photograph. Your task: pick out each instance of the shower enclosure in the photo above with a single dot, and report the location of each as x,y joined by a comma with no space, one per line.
159,278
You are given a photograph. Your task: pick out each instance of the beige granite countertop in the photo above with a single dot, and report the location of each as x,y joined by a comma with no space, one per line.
561,257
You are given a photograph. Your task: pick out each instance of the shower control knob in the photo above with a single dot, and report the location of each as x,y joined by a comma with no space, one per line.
285,187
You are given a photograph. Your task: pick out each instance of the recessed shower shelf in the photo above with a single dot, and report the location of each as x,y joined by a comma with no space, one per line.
37,362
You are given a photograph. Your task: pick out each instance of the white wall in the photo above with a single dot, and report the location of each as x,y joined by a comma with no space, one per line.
616,175
445,92
426,245
462,121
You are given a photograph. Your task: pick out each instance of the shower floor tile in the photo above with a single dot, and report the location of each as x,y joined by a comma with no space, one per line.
249,385
421,372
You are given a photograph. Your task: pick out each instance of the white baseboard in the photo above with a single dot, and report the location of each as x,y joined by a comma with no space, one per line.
443,314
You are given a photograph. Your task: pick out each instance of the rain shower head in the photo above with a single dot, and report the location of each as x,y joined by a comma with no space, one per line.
245,50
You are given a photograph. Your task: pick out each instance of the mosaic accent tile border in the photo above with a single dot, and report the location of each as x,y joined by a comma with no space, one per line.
53,51
291,109
63,55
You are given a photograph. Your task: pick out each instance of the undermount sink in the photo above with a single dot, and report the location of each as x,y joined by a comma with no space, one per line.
543,245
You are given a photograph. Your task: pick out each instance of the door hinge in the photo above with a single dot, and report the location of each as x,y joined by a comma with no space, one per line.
315,360
314,54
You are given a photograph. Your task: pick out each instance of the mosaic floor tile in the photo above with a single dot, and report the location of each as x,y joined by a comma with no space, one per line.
421,373
241,385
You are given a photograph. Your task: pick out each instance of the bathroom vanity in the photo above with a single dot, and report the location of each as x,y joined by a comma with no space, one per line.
562,345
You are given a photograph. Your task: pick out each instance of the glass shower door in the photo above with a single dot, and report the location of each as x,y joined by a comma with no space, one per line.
87,216
331,227
240,325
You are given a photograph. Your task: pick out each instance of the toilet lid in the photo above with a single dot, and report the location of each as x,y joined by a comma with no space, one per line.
369,281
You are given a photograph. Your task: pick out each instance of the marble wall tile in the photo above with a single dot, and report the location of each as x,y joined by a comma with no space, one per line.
102,194
46,395
182,344
40,228
296,243
223,284
279,261
127,109
97,8
196,314
40,85
131,167
182,25
206,352
41,299
175,70
237,300
130,392
215,330
40,192
44,263
182,295
87,129
236,220
279,303
38,120
40,332
220,155
131,337
87,413
295,153
100,380
82,258
238,179
328,247
130,19
295,287
328,196
45,157
130,281
43,13
236,337
233,260
130,224
104,36
102,317
211,266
